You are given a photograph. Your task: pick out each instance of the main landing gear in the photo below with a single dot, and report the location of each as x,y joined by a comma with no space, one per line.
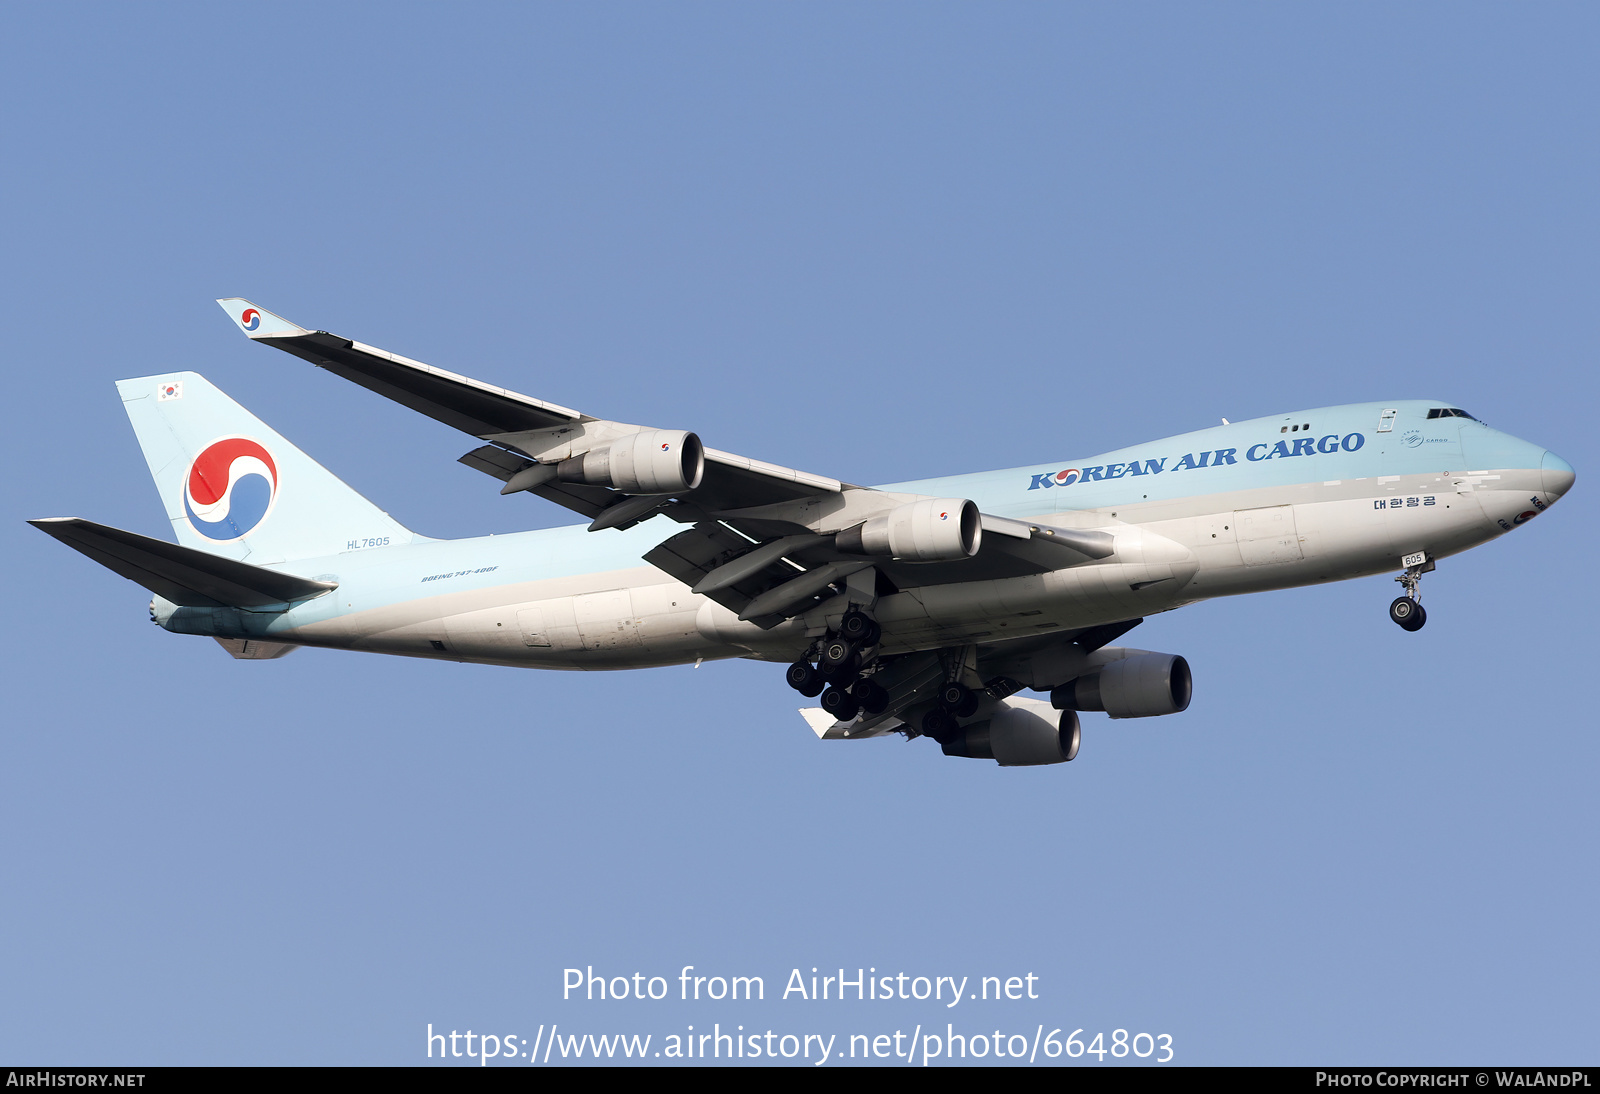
839,668
1407,610
956,701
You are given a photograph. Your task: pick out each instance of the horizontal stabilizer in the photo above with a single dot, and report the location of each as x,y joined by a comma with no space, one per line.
183,575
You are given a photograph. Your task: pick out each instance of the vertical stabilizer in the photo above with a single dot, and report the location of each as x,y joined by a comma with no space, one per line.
232,486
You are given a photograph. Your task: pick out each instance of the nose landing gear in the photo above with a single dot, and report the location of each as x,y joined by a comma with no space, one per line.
1407,611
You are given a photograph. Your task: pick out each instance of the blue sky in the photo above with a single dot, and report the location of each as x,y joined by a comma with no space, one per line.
879,242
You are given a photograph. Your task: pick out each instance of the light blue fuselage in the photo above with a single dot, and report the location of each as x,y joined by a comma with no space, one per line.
1319,495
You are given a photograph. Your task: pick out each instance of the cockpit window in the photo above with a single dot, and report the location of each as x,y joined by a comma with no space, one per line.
1449,412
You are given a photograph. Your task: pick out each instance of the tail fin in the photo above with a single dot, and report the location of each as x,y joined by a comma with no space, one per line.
233,487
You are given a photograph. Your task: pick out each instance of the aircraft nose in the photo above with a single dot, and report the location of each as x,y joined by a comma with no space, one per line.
1556,475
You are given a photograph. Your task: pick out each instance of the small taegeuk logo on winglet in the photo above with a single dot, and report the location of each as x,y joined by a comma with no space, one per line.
250,320
171,389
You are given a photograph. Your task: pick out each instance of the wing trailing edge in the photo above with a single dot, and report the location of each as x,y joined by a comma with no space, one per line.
254,649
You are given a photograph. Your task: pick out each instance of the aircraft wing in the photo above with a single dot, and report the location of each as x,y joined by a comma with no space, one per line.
468,405
766,541
522,430
995,672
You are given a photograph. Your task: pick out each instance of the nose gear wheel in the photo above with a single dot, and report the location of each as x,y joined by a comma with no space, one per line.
1406,611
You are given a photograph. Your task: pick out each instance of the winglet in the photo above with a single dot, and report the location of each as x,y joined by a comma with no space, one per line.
258,322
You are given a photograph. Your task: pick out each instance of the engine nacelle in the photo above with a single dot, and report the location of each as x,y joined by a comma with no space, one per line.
652,461
1141,686
933,530
1018,737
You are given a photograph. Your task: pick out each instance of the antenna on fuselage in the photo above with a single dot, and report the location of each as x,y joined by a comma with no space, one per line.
1226,422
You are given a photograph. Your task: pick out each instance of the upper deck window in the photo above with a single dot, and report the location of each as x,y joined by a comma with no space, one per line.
1449,412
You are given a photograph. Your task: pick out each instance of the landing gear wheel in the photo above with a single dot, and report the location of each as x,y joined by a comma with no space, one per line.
1407,610
842,676
940,725
958,699
839,662
1071,735
873,698
858,627
836,652
838,702
804,678
1407,613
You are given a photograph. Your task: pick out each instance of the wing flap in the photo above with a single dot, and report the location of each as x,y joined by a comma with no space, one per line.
254,649
503,464
182,575
823,725
697,551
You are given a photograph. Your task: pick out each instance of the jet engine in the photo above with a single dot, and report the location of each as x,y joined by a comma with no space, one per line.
932,530
1141,686
652,461
1019,736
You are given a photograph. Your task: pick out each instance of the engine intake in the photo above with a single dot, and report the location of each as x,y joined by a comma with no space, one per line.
933,530
1016,737
1141,686
652,461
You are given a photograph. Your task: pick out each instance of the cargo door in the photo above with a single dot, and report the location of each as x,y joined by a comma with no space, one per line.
530,621
605,620
1267,535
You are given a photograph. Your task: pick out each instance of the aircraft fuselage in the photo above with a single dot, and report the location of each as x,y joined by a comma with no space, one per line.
1305,498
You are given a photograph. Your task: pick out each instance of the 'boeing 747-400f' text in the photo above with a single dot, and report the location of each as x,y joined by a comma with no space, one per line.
920,608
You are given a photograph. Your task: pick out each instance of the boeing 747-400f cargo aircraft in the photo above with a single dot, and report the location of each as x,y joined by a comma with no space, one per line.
920,608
